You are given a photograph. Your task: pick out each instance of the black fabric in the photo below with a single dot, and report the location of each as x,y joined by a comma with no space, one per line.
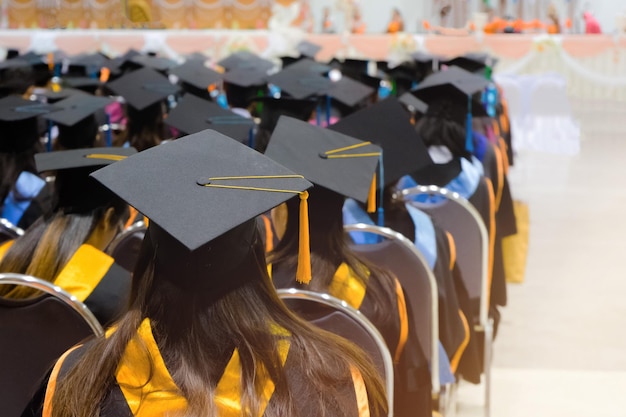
34,333
109,299
41,205
438,174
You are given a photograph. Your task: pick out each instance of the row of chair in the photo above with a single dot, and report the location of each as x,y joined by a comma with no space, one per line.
31,325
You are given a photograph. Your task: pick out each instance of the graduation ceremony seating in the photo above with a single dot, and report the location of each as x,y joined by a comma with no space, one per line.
336,316
8,231
463,221
35,333
400,256
125,247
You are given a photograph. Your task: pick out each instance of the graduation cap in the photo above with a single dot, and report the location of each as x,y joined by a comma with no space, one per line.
245,60
86,65
308,49
75,190
243,84
405,76
143,88
309,66
453,93
473,62
387,124
365,71
330,159
157,63
87,84
412,103
76,120
193,114
195,74
202,206
18,123
53,96
273,108
350,92
300,84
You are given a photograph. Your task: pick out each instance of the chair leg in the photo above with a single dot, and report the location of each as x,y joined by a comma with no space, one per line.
488,347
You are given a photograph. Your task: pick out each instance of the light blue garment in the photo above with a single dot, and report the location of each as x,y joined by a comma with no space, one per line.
353,213
27,187
425,239
445,370
465,183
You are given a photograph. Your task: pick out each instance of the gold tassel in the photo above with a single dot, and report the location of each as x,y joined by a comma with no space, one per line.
371,199
105,74
50,61
303,273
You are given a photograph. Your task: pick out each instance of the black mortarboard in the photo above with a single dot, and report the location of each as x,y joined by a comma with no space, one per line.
53,96
76,108
245,60
387,124
367,72
300,84
473,62
18,123
86,64
157,63
405,76
273,108
143,87
75,190
193,114
309,66
196,74
412,103
197,191
454,94
332,160
349,92
243,84
308,49
87,84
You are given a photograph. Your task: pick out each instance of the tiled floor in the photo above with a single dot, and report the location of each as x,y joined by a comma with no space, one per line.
562,344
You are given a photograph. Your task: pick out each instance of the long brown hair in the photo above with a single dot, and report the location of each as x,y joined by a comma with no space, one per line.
196,335
329,249
145,127
49,244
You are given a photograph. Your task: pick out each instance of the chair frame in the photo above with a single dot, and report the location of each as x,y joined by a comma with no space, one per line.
434,294
485,324
10,227
119,238
333,302
57,292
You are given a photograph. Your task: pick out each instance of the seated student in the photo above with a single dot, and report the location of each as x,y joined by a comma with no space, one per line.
341,166
202,282
145,92
397,23
77,123
24,196
66,248
404,152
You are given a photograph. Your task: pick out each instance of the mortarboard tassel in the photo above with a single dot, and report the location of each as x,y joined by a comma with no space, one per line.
105,74
469,139
371,199
50,61
303,273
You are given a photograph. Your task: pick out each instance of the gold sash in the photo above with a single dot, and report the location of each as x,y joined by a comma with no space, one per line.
150,390
347,287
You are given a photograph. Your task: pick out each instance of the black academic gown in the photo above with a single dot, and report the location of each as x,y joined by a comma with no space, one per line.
96,280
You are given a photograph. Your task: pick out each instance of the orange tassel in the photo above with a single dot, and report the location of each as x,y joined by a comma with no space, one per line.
371,199
50,61
105,73
303,273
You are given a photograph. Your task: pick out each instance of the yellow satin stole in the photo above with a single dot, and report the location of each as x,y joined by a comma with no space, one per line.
150,390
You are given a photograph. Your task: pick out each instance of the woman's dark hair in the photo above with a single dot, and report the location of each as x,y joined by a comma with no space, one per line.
182,320
145,127
442,126
81,135
49,244
329,249
19,142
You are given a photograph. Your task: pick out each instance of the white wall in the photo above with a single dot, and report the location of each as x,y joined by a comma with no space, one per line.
377,13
